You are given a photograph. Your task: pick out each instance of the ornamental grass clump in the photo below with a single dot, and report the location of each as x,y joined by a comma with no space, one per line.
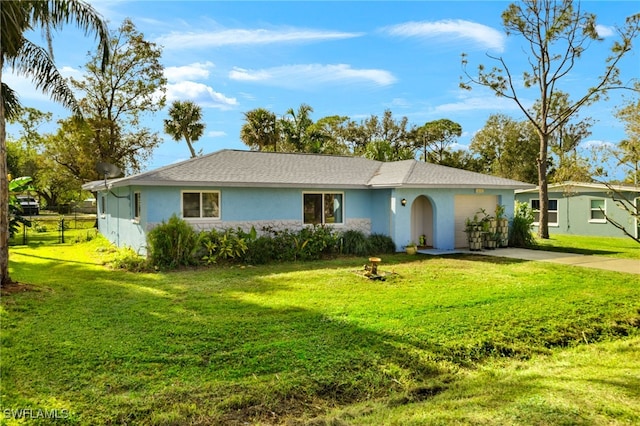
520,235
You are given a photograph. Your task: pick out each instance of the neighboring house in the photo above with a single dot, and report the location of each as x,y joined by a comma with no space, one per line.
579,208
229,188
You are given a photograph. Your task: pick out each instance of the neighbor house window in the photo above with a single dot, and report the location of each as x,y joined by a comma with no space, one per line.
553,212
323,208
136,206
103,205
597,211
201,204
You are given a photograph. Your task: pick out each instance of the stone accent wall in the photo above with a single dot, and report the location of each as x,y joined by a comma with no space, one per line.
363,225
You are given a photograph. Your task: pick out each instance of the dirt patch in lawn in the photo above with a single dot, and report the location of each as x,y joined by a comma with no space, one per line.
16,287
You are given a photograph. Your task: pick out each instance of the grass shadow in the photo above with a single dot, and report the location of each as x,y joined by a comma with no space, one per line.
575,250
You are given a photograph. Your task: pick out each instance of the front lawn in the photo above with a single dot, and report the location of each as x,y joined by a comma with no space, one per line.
301,342
621,247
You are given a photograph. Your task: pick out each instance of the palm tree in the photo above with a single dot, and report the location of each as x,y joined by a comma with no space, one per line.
295,125
31,60
261,130
185,121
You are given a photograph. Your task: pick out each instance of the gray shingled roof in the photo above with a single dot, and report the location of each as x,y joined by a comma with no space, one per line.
269,169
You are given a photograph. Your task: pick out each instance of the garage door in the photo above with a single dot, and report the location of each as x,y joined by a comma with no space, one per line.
466,206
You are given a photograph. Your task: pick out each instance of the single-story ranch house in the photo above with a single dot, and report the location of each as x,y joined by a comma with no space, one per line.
579,208
232,188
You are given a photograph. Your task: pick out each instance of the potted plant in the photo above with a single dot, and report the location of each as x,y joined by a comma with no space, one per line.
423,241
503,227
411,248
473,228
489,228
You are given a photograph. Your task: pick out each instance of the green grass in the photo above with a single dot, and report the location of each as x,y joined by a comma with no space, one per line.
467,338
621,247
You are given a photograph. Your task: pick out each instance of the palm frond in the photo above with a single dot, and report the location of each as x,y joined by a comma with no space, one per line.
34,61
11,102
58,13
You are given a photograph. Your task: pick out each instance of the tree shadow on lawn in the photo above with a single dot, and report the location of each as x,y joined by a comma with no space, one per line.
144,344
486,258
574,250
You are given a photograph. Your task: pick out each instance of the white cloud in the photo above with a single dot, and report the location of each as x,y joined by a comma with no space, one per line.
67,72
24,87
216,133
596,144
478,104
234,37
482,35
195,71
399,103
302,76
605,31
199,93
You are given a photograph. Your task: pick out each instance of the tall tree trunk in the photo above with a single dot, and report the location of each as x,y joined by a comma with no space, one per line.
543,220
4,194
193,151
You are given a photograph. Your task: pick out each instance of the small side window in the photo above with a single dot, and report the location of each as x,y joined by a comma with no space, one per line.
136,206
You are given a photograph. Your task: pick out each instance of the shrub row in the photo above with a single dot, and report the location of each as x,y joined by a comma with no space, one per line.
175,243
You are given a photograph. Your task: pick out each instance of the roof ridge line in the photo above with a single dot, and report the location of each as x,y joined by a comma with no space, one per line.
406,176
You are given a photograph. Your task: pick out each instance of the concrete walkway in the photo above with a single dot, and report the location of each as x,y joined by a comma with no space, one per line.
630,266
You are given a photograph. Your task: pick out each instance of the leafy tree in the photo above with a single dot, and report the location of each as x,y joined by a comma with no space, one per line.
386,131
261,130
564,141
507,148
628,150
115,102
385,151
327,136
557,34
462,159
185,122
31,60
28,156
435,139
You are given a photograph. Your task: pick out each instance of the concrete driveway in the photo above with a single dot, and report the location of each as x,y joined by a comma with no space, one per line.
630,266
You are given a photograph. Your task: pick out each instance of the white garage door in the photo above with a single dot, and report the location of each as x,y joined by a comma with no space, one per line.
466,206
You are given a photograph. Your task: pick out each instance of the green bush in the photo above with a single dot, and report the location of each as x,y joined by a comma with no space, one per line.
355,243
126,258
381,244
226,246
316,242
520,235
172,244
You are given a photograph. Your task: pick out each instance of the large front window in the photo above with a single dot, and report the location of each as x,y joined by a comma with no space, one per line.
553,212
323,208
201,205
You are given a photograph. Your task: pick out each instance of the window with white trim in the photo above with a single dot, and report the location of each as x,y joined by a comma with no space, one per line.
323,208
553,212
136,206
201,204
597,214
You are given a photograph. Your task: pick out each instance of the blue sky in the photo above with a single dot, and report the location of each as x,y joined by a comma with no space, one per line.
347,58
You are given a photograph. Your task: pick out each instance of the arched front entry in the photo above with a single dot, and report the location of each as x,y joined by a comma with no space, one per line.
422,220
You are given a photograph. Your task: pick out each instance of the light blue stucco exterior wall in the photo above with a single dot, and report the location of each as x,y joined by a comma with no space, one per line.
238,206
443,204
371,210
116,221
574,214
